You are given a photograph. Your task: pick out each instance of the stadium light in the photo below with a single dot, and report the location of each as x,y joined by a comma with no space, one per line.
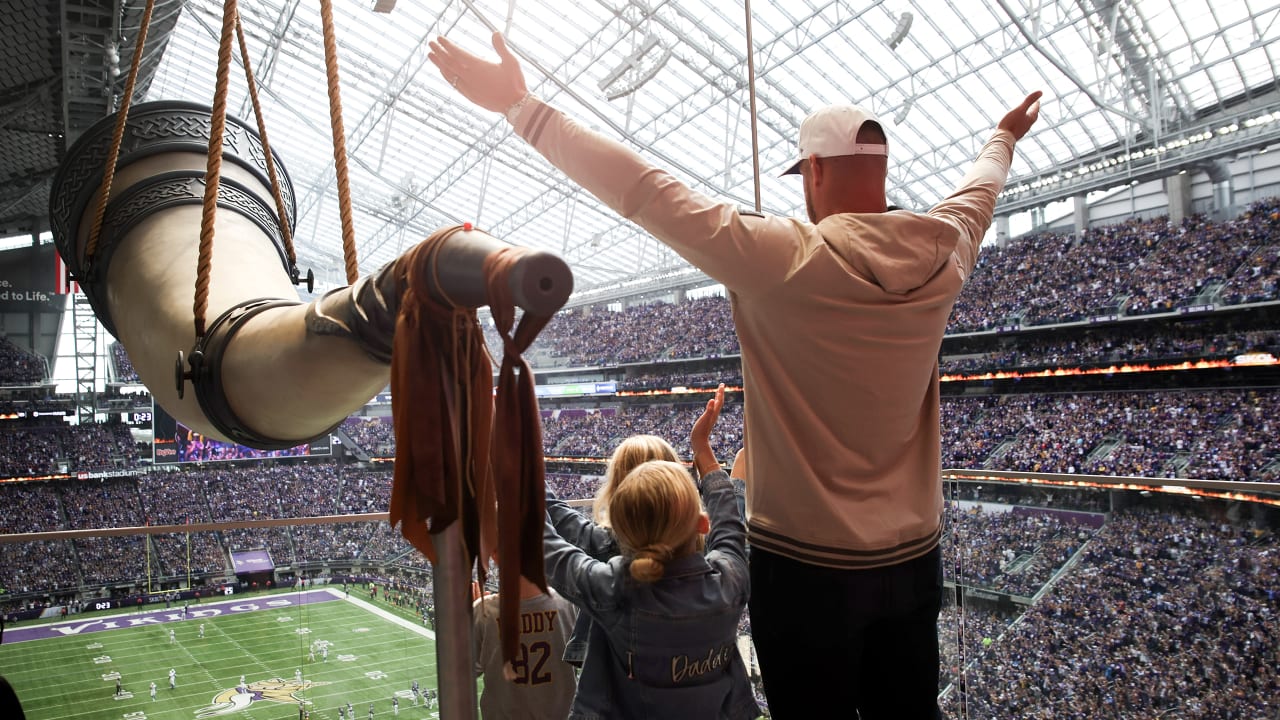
636,69
900,31
903,111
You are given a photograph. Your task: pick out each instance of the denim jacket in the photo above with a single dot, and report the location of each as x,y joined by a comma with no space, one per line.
599,543
594,540
666,649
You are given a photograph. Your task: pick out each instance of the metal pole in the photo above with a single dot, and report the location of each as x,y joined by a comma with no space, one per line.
451,582
751,89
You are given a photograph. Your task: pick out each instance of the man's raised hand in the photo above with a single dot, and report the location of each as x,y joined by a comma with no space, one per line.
493,86
1020,119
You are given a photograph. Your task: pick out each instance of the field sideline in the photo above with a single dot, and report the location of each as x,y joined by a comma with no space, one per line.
68,670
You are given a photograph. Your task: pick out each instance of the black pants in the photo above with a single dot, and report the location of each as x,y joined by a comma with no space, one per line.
866,640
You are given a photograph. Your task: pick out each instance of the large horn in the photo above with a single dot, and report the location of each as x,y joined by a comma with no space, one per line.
270,372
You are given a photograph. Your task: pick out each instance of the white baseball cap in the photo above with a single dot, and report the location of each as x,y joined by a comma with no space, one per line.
832,131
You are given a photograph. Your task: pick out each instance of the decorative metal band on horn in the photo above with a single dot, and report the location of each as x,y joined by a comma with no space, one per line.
206,375
153,128
364,312
162,192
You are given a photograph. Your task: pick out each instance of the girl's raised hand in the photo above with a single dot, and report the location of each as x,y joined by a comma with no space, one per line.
704,458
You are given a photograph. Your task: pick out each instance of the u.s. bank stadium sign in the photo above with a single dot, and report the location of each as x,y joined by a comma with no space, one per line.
97,474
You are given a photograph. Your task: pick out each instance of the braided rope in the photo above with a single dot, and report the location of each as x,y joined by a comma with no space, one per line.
276,193
113,156
339,142
213,173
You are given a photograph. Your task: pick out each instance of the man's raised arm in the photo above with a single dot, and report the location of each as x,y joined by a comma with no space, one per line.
973,203
742,251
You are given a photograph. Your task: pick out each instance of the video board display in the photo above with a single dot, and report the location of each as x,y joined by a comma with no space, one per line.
177,443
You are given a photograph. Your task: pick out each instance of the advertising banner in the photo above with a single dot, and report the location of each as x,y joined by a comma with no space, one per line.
252,561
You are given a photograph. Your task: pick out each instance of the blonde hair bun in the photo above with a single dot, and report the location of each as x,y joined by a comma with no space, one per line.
655,511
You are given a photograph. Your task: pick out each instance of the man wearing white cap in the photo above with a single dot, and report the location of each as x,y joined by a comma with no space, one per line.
840,321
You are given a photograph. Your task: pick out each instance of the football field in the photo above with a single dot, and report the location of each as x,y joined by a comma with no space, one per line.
362,654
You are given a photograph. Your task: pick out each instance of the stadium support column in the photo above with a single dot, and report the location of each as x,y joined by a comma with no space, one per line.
1223,194
85,337
1037,219
1080,210
1002,231
1178,189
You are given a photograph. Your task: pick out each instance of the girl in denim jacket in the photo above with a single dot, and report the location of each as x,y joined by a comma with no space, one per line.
594,536
666,612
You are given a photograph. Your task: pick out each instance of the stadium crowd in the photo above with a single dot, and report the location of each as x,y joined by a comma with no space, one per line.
1211,434
640,333
1220,434
43,446
123,365
19,366
730,375
1010,552
1167,586
1115,346
1131,268
195,496
1155,613
373,435
1168,614
965,631
1136,267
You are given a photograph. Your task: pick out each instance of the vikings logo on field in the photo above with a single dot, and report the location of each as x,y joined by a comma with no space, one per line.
237,699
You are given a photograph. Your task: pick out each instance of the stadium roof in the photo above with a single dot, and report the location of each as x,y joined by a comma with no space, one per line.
671,77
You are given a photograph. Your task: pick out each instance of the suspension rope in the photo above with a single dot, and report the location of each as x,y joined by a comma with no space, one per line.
213,173
339,142
113,155
276,193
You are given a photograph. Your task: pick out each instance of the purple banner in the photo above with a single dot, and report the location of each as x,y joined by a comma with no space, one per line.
252,561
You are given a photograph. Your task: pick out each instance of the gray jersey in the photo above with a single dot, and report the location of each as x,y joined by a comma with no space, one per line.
544,684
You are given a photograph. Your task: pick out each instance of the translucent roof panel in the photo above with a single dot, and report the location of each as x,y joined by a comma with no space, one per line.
671,79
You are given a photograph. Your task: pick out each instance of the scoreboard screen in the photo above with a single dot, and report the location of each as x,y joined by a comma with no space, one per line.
176,443
139,420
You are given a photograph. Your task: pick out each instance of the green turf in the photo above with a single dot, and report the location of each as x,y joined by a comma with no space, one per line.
59,678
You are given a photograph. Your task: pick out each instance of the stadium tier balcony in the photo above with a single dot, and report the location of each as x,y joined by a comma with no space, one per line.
1130,268
124,371
39,568
1101,346
365,492
1166,614
1062,594
19,366
1133,268
40,447
1154,608
374,435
